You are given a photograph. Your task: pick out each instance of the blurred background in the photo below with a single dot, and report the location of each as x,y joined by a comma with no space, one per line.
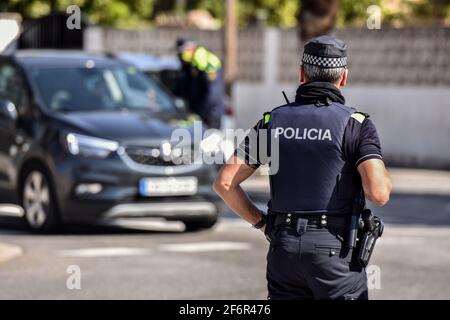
399,73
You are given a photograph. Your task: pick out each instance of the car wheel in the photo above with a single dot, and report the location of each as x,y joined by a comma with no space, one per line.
38,201
197,225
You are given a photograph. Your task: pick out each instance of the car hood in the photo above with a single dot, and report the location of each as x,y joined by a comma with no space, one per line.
126,126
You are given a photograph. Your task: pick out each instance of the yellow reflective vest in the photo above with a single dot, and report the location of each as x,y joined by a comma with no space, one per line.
202,59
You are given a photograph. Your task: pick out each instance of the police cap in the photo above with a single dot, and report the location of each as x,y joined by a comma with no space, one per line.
325,52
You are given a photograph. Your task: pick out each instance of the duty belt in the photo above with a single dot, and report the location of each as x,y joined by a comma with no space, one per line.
322,221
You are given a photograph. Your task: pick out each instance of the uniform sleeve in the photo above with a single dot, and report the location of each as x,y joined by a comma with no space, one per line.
248,149
361,142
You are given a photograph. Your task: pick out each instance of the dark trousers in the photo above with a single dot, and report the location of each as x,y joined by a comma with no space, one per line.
309,262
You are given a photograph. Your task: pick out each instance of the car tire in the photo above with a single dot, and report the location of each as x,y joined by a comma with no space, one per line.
197,225
38,200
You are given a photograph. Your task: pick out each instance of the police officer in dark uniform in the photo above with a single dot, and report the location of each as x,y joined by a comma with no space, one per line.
329,161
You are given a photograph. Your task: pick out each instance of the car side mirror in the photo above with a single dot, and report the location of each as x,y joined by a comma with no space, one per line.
8,112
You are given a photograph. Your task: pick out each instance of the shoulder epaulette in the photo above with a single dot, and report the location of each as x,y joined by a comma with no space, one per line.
360,116
266,117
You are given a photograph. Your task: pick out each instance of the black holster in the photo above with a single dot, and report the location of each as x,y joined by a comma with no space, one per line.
372,229
363,230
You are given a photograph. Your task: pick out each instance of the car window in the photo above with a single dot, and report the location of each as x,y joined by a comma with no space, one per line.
168,78
108,88
12,87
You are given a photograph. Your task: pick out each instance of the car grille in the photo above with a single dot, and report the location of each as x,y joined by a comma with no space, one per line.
149,156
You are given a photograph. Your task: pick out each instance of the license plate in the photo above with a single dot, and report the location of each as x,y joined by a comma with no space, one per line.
179,186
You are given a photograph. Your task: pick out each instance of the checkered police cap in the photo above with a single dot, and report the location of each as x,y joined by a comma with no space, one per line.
324,62
325,52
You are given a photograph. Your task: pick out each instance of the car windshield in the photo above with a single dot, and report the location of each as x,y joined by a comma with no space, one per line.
108,88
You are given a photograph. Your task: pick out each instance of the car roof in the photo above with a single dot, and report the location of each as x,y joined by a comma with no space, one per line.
66,58
147,62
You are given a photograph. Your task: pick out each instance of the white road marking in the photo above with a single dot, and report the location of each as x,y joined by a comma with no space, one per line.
11,210
9,252
105,252
174,247
205,247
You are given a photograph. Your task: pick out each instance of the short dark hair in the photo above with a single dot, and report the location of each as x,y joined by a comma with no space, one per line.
316,73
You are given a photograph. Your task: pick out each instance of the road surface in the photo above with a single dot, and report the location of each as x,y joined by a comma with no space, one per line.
149,260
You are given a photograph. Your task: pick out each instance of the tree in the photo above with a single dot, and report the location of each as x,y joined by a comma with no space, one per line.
120,13
280,13
313,16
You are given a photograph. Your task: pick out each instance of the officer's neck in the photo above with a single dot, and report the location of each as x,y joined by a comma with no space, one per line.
337,85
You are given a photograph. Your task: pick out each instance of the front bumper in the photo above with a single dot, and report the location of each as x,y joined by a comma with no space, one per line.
119,197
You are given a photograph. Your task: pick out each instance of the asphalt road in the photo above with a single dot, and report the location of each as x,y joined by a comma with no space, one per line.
155,260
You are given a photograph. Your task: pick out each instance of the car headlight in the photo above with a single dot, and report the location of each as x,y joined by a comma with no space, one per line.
211,144
78,144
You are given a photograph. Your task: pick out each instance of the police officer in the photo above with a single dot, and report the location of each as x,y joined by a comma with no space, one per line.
329,161
201,82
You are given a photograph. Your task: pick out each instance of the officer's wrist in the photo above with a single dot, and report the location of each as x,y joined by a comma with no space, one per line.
261,223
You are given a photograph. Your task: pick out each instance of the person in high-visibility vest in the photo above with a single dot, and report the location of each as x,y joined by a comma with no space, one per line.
201,82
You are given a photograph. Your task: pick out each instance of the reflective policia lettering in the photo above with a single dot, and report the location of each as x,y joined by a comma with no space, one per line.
303,134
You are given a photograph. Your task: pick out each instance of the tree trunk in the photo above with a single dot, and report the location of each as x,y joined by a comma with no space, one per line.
231,44
316,17
53,6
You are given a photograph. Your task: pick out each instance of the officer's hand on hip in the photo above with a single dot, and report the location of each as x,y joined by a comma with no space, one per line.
227,186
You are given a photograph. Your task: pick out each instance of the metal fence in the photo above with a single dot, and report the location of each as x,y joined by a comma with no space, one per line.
50,32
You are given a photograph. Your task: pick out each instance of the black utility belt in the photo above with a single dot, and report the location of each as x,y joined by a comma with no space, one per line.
321,220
